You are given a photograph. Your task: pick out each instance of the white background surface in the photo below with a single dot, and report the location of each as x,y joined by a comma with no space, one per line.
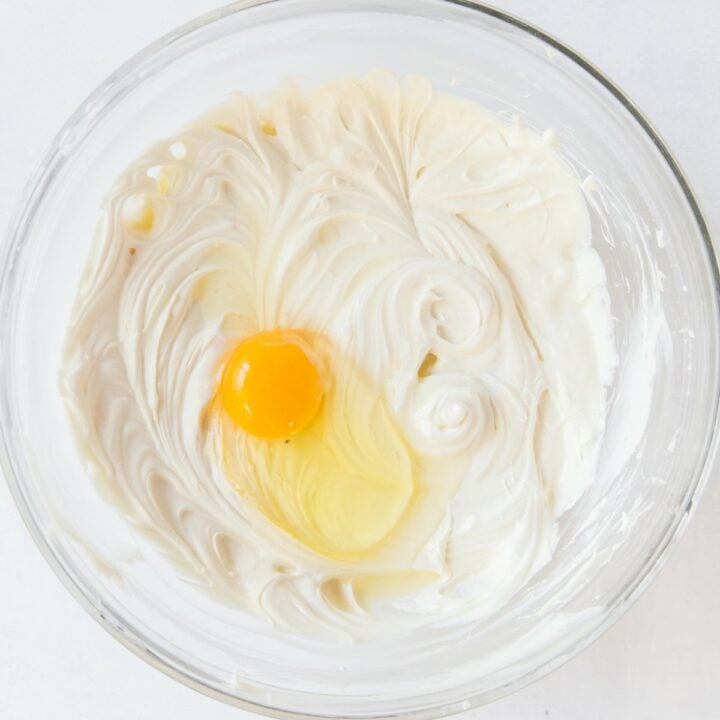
661,661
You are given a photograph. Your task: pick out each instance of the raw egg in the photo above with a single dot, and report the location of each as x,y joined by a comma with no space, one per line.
308,440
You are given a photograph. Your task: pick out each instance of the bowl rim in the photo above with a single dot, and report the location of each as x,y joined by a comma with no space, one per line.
73,132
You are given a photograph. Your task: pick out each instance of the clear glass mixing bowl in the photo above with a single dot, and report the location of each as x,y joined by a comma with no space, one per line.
663,405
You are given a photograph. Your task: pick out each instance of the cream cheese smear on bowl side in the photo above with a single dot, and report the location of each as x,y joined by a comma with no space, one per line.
344,351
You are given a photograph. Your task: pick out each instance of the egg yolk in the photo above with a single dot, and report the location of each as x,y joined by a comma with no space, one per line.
271,386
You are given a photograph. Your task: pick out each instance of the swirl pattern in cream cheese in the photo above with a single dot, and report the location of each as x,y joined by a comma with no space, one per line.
444,255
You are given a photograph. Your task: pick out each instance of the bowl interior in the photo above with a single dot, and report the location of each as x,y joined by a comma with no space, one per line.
662,406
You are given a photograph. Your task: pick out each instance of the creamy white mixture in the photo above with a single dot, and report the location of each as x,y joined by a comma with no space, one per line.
446,252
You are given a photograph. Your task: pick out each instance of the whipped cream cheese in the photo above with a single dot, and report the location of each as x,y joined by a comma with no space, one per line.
443,257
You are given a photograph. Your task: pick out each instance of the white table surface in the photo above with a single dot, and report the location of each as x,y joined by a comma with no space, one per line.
660,661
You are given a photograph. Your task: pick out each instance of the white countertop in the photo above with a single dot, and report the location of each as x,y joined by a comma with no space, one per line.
660,661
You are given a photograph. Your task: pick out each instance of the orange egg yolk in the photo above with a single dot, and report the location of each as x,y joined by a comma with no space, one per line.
271,385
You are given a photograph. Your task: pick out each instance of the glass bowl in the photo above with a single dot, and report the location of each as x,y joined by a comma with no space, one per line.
662,407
